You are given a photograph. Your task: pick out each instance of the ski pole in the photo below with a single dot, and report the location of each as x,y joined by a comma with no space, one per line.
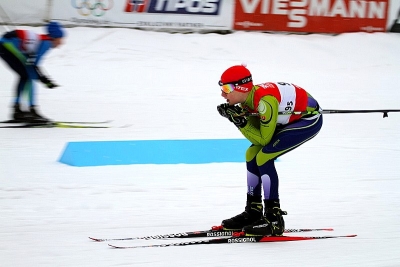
331,111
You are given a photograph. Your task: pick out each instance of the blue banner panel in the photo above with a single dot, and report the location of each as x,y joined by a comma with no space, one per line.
101,153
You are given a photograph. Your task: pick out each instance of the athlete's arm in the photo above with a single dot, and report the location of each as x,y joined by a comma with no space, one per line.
261,134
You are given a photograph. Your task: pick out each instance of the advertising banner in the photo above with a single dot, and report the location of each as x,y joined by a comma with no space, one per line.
314,16
320,16
194,15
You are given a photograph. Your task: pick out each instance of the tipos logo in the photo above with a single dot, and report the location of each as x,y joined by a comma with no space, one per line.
136,5
203,7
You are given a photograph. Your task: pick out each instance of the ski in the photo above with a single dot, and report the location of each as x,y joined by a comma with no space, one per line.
61,125
53,125
71,122
215,231
235,240
85,122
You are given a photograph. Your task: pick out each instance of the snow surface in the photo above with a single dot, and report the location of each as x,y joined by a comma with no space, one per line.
165,85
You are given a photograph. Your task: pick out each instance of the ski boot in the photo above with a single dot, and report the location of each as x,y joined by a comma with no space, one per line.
271,224
251,213
35,117
19,115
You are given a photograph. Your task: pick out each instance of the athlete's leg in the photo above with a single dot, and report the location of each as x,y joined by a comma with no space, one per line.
253,173
13,58
284,140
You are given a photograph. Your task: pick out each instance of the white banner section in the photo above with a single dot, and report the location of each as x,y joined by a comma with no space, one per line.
180,15
24,11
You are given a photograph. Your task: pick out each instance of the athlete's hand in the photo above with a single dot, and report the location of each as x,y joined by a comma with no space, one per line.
234,114
222,109
46,81
51,84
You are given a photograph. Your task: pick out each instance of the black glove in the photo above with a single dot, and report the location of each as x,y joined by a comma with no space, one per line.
222,110
234,114
44,79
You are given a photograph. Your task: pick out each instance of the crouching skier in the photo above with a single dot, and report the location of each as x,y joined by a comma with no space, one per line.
22,51
271,135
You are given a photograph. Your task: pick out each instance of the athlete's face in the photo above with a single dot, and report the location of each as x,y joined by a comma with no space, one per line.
234,97
55,42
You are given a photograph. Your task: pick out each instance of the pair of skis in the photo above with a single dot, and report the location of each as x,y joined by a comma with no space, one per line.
220,236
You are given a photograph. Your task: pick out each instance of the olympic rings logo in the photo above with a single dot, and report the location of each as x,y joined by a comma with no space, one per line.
92,7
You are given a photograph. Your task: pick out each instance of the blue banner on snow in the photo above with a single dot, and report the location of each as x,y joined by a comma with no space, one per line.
101,153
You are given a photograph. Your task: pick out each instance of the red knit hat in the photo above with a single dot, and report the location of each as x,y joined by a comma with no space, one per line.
239,76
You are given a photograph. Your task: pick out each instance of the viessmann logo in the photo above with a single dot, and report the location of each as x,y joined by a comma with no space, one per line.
203,7
95,8
298,11
313,15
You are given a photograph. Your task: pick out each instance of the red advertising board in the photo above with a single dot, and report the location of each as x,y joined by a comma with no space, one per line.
315,16
135,6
